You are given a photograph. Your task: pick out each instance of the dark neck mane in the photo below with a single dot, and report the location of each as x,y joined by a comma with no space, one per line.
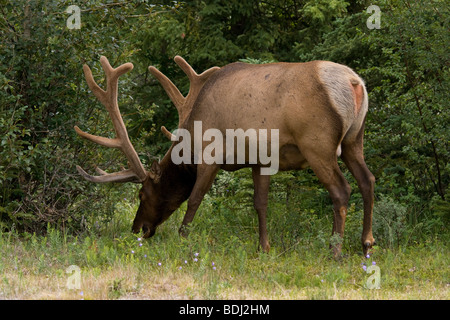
178,180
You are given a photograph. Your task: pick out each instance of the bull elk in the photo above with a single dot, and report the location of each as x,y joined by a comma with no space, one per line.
318,108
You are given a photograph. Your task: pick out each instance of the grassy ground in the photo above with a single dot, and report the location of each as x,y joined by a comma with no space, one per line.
219,260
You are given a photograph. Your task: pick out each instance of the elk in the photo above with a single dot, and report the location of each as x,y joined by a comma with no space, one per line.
318,107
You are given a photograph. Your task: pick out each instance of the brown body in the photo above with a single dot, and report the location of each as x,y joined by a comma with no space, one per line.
319,109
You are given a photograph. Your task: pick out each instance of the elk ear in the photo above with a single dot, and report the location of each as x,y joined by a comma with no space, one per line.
155,171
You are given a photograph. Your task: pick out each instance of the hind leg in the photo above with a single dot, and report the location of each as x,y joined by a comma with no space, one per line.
325,166
352,154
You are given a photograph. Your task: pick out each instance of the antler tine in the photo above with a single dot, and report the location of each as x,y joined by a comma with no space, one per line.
168,134
108,98
171,90
183,104
190,72
122,176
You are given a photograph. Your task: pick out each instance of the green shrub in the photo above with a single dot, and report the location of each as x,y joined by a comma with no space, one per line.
389,222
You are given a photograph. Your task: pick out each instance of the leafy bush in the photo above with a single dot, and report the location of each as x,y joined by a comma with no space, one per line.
389,221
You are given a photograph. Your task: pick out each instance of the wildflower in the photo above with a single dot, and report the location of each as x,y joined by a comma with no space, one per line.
196,254
140,244
212,263
185,261
132,251
214,268
139,239
195,259
374,263
180,268
159,263
145,256
364,268
367,256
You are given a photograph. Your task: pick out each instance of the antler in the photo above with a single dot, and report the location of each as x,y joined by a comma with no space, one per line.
108,98
183,104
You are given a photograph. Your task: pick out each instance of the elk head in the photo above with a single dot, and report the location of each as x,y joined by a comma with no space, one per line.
165,186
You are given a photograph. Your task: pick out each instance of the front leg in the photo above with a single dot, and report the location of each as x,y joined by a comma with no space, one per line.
205,178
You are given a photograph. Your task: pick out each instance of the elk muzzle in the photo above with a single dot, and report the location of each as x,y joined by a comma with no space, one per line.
147,230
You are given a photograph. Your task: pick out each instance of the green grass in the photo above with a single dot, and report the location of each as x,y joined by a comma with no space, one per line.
299,266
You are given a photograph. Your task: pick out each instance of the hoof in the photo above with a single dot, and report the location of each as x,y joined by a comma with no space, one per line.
367,245
183,231
265,247
336,251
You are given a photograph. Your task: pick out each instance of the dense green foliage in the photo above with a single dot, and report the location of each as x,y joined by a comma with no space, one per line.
43,94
